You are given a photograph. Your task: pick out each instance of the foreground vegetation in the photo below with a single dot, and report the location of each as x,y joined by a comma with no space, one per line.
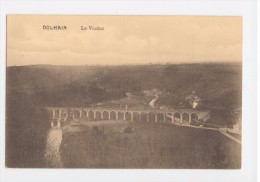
26,132
149,146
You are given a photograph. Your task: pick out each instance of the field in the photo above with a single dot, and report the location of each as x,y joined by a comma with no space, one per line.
142,145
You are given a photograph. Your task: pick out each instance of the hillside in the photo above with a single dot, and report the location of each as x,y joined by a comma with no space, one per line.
218,84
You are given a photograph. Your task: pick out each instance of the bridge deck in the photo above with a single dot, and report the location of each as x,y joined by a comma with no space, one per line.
128,109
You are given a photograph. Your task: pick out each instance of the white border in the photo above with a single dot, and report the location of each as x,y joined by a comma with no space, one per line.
258,88
246,8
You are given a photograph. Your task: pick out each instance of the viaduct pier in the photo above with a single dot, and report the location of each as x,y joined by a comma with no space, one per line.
60,115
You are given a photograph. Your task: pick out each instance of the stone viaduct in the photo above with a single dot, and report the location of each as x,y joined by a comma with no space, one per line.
179,116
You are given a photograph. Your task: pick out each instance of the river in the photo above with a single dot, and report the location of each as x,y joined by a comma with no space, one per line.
52,151
54,137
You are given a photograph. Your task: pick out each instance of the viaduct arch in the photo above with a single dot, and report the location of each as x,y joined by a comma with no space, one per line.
176,116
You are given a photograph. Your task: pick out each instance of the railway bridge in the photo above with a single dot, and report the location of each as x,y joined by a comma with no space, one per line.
60,115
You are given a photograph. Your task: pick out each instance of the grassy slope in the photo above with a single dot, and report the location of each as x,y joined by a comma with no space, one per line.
151,146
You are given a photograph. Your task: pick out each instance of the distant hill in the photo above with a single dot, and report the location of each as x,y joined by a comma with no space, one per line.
218,84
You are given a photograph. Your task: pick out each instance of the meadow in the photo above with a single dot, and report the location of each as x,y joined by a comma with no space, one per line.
149,146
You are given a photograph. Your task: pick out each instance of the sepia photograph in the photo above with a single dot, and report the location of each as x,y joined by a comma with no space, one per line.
123,92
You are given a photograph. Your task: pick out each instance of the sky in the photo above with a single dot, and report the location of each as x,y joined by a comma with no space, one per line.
124,40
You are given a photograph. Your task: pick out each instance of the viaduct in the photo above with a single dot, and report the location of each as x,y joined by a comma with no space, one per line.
180,116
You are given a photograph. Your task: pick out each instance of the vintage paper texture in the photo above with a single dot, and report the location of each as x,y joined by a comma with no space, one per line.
124,92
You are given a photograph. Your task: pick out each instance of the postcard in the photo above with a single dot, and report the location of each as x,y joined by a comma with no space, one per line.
124,92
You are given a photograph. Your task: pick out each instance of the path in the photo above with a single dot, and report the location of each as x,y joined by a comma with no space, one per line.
229,136
152,102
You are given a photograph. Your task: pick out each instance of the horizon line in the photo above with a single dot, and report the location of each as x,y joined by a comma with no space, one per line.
132,64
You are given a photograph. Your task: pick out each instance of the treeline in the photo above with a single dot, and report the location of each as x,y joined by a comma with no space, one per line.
218,84
79,96
26,132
